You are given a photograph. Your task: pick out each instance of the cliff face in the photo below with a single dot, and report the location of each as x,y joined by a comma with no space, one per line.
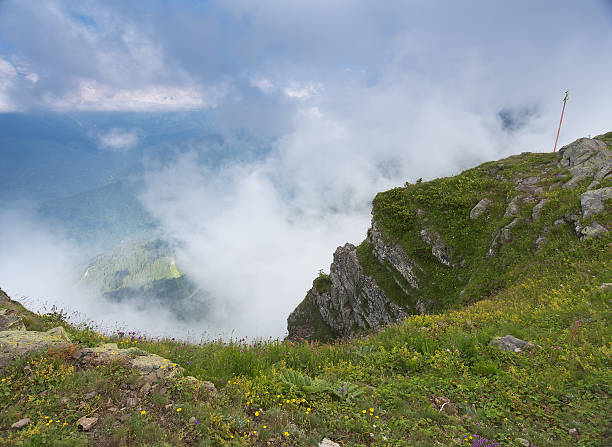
454,240
349,301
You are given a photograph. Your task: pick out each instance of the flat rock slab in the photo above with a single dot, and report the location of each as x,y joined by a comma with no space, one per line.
151,366
16,343
510,343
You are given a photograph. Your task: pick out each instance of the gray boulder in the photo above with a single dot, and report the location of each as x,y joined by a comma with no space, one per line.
480,208
593,202
10,320
537,210
513,207
21,423
439,249
393,254
152,367
86,423
503,237
510,343
592,230
586,158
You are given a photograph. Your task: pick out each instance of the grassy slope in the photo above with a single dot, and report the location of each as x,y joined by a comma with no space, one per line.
552,297
447,203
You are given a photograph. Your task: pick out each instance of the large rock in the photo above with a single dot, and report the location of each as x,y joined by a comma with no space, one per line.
537,210
394,254
586,158
16,343
10,320
151,366
503,237
439,249
480,208
86,423
353,303
513,207
510,343
21,423
592,230
593,202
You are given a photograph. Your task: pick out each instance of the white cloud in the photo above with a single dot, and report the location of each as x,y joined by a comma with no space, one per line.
92,95
305,90
8,76
119,139
265,85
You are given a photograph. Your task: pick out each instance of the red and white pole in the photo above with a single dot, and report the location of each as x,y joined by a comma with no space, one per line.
562,111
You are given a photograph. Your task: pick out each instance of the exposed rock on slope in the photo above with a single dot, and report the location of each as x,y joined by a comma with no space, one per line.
15,343
351,303
429,246
394,254
586,158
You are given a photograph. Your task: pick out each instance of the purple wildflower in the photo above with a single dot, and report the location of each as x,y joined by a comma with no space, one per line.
479,441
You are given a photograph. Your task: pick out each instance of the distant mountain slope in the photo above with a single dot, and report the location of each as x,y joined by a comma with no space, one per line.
145,272
102,217
455,240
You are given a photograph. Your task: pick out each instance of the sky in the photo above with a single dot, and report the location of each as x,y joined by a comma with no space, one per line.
356,96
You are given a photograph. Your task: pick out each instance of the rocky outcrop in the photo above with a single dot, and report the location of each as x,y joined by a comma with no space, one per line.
589,231
16,343
586,159
408,247
593,202
594,229
513,207
480,208
503,237
10,320
439,249
353,303
537,209
394,254
151,366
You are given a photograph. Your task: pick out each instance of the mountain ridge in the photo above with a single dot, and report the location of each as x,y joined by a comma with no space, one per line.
440,244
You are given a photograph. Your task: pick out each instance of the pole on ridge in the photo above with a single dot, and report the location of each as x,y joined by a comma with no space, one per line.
560,121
